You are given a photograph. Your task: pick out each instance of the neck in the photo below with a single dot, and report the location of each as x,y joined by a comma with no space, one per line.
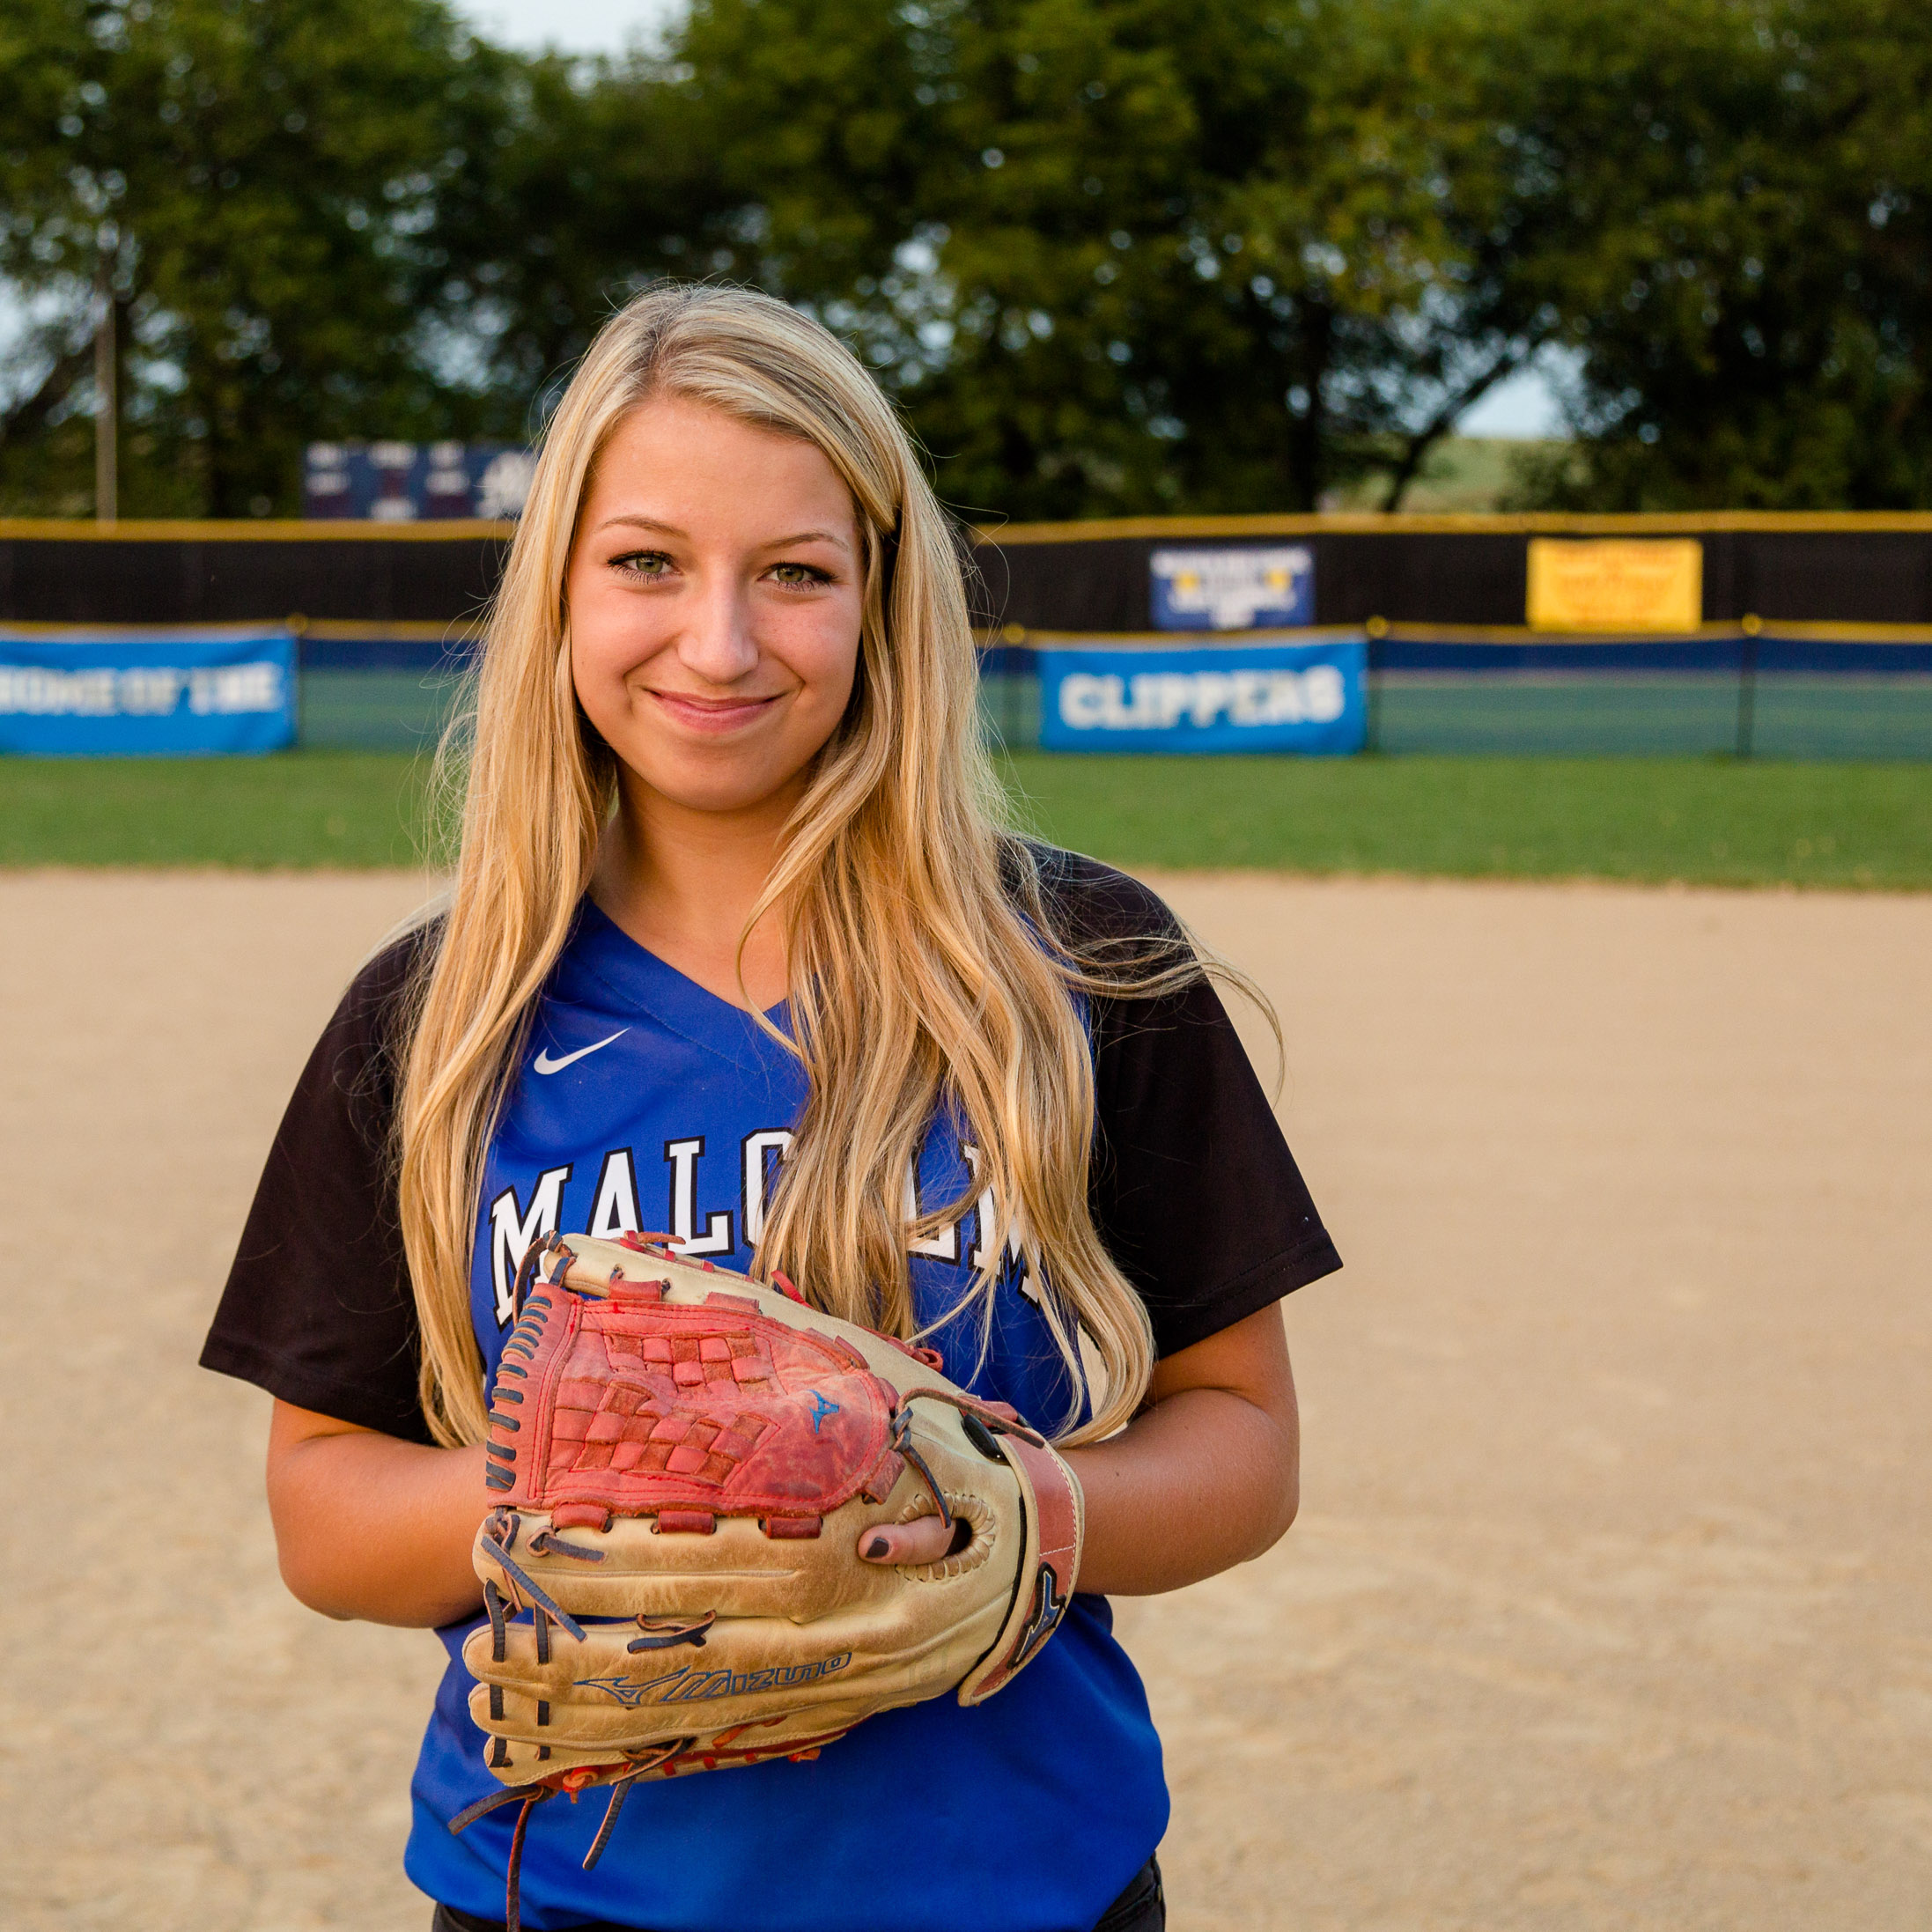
683,883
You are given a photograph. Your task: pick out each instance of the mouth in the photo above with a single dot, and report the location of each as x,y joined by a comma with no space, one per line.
714,716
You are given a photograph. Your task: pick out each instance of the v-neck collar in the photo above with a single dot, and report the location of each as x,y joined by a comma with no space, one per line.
636,974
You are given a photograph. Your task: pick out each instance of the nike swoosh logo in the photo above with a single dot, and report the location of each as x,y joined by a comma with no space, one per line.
544,1064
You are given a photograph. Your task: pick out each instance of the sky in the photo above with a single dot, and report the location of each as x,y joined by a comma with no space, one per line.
1525,405
577,26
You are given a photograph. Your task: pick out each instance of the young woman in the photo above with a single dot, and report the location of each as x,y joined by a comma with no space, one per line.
736,949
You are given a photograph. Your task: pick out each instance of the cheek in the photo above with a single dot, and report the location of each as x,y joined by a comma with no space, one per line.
609,640
813,649
825,657
599,688
597,668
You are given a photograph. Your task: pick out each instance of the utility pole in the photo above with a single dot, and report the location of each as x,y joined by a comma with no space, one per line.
106,408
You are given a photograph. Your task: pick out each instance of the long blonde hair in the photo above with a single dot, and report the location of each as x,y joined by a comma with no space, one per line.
924,968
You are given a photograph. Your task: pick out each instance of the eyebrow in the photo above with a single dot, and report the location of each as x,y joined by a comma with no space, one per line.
636,522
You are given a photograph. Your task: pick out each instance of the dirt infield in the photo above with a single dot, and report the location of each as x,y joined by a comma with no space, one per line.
1607,1608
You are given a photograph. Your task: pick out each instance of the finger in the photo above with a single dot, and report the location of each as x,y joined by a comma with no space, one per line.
925,1540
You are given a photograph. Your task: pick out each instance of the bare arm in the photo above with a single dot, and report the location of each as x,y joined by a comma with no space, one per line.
369,1527
1208,1475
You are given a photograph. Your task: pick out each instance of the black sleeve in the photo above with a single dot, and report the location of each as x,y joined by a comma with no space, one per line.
317,1309
1194,1190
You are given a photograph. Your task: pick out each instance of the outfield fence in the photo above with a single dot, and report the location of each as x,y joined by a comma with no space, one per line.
1805,692
379,688
1816,692
1725,692
1798,693
392,614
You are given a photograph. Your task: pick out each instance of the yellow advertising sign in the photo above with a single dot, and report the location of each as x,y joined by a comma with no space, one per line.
1615,584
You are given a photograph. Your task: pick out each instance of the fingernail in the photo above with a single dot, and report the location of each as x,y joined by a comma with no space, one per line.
878,1547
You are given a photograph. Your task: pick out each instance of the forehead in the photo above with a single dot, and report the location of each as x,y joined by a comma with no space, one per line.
695,468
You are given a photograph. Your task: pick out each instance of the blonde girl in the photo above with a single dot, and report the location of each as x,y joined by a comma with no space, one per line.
737,946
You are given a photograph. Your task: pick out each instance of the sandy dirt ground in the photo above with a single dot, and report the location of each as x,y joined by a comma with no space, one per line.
1608,1604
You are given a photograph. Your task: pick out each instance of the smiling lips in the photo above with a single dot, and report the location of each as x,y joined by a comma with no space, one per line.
713,716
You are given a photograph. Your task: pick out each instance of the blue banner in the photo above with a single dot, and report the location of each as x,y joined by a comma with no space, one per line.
1232,586
1304,697
122,694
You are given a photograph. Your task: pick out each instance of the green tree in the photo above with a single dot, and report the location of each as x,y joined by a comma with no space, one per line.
586,182
47,70
1750,294
1244,256
1137,254
1112,256
264,178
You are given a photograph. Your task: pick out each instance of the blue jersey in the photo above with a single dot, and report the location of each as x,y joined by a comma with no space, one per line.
645,1103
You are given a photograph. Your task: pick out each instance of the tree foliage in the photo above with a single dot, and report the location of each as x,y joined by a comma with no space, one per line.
1136,254
1112,256
262,181
1750,284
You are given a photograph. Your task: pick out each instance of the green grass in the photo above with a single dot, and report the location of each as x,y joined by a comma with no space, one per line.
294,808
1704,820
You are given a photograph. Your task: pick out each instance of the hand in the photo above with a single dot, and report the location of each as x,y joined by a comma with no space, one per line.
1208,1475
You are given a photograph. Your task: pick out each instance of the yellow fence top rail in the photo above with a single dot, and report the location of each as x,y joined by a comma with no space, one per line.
1783,629
249,530
1370,523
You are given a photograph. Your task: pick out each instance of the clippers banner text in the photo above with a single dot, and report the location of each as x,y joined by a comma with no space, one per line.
121,695
1232,586
1302,698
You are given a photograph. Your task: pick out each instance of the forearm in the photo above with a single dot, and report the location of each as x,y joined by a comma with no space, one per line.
373,1528
1201,1482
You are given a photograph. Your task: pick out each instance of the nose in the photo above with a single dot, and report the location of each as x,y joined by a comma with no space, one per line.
716,643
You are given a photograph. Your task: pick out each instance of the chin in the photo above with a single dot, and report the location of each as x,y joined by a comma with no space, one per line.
720,791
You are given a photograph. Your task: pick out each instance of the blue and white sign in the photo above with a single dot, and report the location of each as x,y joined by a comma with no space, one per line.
124,693
400,483
1305,698
1234,587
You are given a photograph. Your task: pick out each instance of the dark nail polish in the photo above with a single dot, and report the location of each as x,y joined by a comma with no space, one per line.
877,1547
